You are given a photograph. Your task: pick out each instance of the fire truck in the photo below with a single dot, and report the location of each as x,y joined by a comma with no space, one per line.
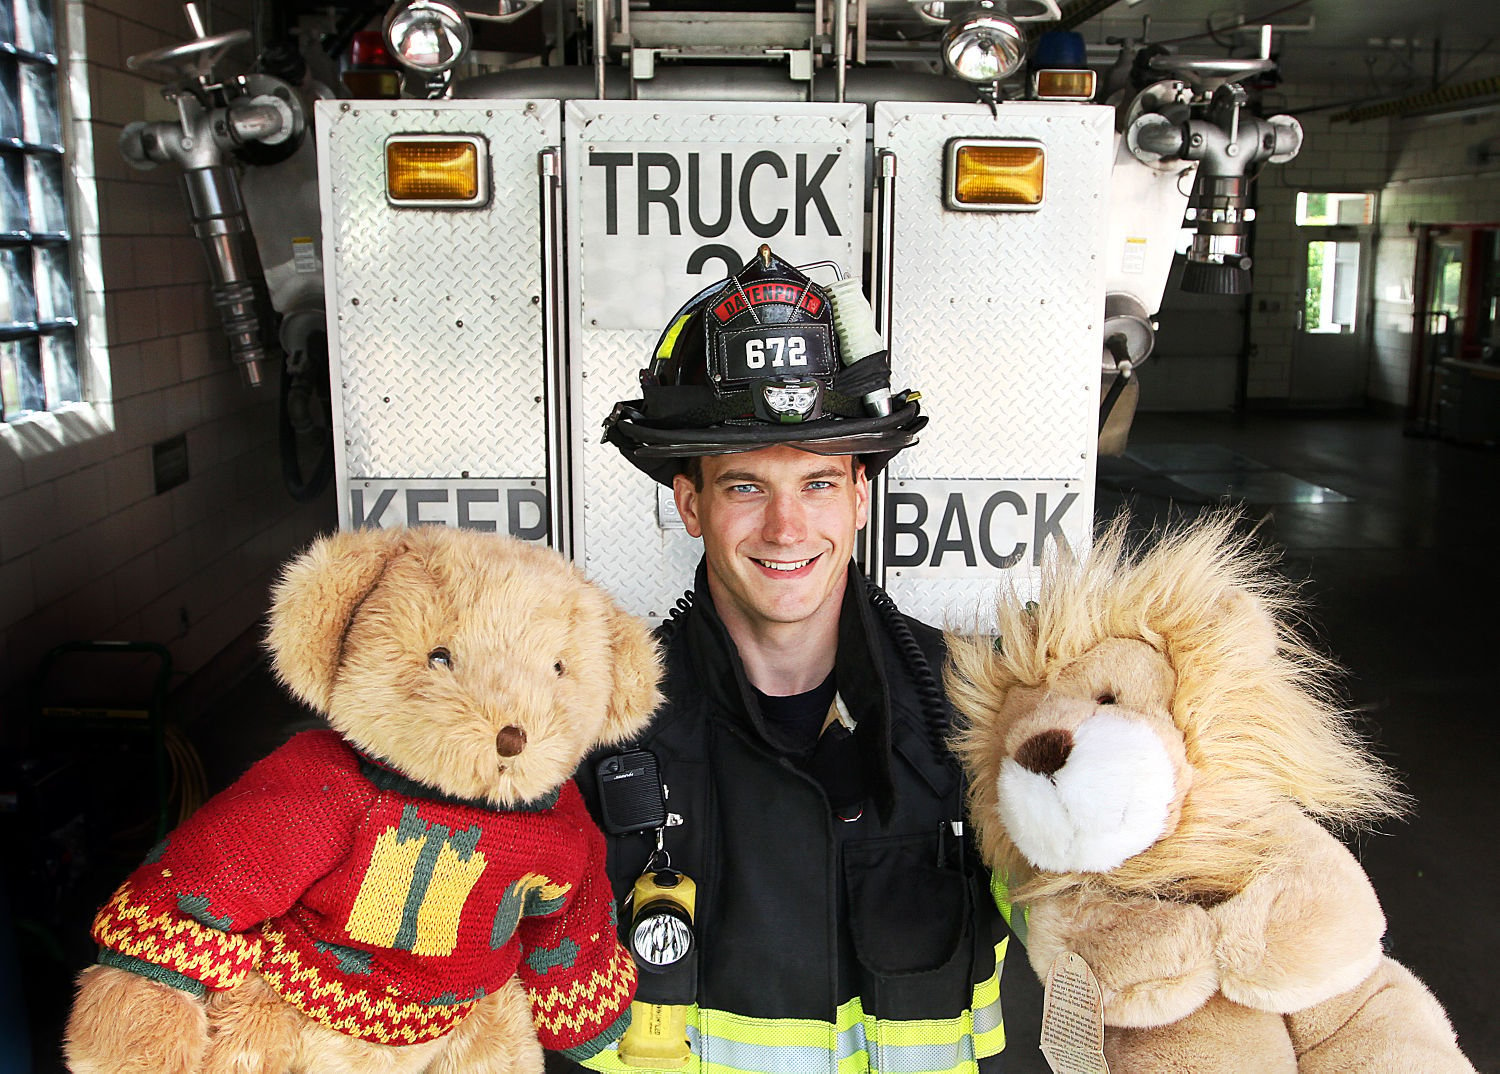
494,255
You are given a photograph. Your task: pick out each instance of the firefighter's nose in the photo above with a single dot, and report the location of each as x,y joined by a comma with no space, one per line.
510,741
786,520
1045,753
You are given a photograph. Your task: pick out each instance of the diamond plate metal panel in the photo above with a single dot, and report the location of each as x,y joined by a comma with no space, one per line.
996,319
434,315
621,544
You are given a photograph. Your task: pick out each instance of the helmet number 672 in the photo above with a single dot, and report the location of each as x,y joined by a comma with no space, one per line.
784,351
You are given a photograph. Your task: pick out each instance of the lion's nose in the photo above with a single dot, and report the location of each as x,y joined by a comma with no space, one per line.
510,741
1045,753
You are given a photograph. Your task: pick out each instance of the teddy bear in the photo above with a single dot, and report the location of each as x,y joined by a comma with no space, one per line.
1155,758
418,886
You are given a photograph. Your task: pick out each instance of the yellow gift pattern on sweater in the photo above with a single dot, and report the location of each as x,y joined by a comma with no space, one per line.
420,875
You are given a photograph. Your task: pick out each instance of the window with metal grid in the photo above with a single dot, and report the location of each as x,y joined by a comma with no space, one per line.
38,312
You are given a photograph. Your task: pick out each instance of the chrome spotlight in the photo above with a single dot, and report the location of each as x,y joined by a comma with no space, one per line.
983,46
429,36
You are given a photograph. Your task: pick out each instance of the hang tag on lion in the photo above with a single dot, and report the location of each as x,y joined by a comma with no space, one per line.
1073,1018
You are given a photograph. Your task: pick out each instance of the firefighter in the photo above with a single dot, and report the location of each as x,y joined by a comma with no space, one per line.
808,900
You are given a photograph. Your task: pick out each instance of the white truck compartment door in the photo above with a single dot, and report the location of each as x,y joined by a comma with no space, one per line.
995,317
437,340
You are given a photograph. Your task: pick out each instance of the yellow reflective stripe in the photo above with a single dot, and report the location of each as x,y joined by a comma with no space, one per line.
1000,891
776,1032
989,1025
854,1043
669,341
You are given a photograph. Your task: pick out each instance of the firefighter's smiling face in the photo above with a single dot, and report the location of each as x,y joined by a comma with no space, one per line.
778,527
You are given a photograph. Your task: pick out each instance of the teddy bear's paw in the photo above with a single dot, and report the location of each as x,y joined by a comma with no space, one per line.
1153,958
252,1030
498,1037
122,1023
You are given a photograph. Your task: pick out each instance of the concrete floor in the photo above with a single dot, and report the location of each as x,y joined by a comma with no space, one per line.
1401,572
1399,562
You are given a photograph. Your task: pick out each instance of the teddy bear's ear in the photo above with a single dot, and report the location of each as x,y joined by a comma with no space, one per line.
637,668
314,601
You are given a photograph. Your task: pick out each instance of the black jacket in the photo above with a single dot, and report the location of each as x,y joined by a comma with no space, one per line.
801,916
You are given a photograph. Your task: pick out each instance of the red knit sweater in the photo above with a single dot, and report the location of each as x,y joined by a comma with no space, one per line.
378,907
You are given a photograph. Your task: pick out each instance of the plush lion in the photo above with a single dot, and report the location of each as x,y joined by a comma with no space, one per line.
420,887
1152,749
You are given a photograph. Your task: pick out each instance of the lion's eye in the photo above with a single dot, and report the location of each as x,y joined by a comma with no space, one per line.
440,658
1105,698
559,668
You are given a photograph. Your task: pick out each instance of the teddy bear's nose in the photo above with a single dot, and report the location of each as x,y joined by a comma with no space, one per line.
1045,753
510,741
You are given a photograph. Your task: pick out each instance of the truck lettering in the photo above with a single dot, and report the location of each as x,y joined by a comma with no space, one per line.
650,195
955,544
695,197
467,505
766,184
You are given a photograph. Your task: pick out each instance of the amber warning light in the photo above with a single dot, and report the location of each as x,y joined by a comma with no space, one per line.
1061,85
438,171
994,176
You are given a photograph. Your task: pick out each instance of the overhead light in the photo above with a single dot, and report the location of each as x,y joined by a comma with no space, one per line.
983,46
429,36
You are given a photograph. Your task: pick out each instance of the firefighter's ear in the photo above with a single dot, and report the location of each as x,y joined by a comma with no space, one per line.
637,670
315,600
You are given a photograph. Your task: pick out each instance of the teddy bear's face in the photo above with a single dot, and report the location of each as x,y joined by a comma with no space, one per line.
1090,769
485,676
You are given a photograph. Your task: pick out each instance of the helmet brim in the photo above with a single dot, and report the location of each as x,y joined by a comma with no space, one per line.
877,440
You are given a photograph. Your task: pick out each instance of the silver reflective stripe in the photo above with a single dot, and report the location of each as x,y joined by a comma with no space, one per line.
923,1058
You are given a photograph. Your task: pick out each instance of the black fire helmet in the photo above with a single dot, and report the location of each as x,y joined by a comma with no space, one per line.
756,360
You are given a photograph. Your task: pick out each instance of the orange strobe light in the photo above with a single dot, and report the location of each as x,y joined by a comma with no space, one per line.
995,176
444,171
1061,85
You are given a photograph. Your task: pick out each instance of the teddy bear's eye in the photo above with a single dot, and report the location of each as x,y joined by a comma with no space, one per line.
1106,698
559,668
440,658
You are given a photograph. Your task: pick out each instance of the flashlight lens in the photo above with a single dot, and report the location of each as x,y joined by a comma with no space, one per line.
995,175
434,171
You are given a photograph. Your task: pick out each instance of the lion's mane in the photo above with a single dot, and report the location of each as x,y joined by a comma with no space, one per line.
1254,702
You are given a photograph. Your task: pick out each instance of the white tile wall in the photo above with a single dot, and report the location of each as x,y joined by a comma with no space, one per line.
1334,157
87,548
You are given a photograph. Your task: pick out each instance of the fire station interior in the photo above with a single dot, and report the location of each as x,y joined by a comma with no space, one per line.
1347,399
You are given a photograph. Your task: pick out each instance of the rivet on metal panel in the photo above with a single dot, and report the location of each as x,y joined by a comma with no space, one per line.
459,323
489,113
354,302
536,398
356,111
536,300
385,399
343,108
